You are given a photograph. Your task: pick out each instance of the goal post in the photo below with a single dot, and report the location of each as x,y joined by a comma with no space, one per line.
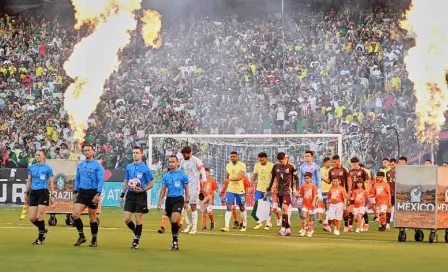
214,150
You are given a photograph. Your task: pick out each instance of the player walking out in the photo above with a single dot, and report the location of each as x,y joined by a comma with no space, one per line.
284,175
326,185
357,172
262,172
309,167
174,184
40,177
193,167
337,198
138,180
390,176
234,187
87,193
341,173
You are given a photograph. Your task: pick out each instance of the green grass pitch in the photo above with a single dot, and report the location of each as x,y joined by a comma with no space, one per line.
253,250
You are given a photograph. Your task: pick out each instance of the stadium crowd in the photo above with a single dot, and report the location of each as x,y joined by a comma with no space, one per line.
336,72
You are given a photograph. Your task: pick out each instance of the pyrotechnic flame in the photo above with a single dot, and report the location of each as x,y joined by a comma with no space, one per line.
152,24
95,57
427,63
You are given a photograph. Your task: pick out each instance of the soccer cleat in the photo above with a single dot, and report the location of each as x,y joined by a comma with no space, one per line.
358,230
236,225
161,230
243,228
350,228
345,229
337,233
193,231
288,232
279,222
212,226
204,228
93,244
45,234
37,242
387,226
174,246
302,233
268,227
375,219
225,229
310,233
258,226
320,222
240,226
187,229
281,233
134,246
326,228
80,241
382,228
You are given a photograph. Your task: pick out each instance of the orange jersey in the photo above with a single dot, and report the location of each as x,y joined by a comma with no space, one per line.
381,192
360,196
209,187
337,194
246,182
308,192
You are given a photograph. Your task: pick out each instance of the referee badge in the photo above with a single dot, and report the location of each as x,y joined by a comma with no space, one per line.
42,176
89,173
177,183
139,175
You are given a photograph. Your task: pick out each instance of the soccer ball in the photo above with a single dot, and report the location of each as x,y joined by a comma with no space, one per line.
134,183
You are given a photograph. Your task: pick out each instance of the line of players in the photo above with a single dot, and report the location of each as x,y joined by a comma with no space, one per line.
345,194
280,183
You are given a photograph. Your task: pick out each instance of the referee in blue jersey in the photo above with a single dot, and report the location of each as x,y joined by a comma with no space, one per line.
175,184
40,177
136,198
88,186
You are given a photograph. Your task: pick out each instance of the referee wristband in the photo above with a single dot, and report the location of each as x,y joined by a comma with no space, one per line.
122,195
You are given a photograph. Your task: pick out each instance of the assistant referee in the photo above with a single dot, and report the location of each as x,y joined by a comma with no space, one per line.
175,184
88,186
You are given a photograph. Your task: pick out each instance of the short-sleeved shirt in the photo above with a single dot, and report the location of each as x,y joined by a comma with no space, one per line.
174,182
356,174
40,173
324,173
337,194
233,170
139,171
381,190
360,196
192,168
308,193
263,174
390,175
209,186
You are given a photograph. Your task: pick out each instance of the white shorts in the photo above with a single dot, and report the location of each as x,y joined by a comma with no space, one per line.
381,209
194,198
207,205
320,210
335,211
304,209
275,205
360,210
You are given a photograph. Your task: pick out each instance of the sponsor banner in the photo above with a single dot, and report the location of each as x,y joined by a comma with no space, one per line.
442,197
110,196
415,197
12,185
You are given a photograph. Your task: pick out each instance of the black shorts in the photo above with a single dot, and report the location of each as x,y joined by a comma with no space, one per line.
284,199
173,205
136,202
85,197
392,200
39,197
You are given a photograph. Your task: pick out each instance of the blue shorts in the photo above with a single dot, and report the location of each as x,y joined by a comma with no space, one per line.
260,195
232,197
325,200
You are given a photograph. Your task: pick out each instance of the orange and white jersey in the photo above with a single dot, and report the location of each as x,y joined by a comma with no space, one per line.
360,196
381,192
308,192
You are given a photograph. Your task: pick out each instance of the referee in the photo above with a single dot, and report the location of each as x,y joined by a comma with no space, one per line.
88,186
40,175
174,183
136,198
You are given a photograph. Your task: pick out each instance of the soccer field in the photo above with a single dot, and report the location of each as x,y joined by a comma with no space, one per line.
253,250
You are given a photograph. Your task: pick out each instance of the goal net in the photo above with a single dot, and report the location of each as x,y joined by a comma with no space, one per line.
214,151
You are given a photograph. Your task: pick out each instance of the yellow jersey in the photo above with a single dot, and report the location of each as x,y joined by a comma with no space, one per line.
263,173
324,173
233,170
